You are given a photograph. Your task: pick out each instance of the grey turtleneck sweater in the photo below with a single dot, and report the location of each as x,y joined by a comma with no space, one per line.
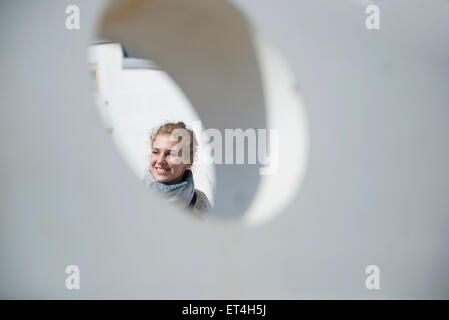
180,194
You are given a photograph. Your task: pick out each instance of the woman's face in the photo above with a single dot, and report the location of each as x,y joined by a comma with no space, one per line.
164,165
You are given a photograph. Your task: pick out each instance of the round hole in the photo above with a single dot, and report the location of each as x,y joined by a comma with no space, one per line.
231,78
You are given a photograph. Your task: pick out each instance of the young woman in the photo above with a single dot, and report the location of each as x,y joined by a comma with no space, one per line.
169,173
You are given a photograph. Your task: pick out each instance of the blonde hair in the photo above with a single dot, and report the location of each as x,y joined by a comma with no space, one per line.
169,127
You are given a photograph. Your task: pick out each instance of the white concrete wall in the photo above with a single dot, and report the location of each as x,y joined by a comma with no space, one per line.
375,190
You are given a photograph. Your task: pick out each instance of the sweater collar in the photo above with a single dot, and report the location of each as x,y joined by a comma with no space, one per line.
179,193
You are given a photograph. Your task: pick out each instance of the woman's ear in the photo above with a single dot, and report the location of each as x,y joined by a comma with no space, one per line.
189,165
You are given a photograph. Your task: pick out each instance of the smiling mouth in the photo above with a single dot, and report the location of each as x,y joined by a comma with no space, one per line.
161,171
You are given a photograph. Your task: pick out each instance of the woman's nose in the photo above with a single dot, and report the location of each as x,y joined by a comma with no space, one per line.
161,159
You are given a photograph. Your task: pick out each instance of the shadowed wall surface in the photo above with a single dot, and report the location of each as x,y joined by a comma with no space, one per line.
375,190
